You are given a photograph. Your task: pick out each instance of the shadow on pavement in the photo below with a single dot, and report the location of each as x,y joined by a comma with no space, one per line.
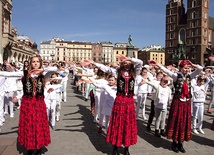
150,137
98,140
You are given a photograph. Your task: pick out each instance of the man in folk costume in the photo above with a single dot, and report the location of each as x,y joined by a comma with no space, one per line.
179,120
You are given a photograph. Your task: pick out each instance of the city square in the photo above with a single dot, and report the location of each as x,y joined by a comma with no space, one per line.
76,134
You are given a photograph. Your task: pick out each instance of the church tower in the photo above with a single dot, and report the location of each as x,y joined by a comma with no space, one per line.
187,28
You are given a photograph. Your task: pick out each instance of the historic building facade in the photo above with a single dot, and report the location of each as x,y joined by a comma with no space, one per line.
121,48
48,50
107,52
61,50
96,52
153,52
188,33
22,48
102,52
13,47
6,37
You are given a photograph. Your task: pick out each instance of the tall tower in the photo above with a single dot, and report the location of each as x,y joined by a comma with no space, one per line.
189,28
197,29
175,17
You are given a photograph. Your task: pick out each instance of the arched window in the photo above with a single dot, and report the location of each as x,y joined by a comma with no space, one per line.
193,3
194,15
182,35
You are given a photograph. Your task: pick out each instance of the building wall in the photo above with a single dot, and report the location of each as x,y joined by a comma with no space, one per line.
97,52
107,52
158,56
1,47
190,27
48,50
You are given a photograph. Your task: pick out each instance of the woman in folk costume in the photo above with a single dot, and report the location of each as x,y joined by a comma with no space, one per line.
122,128
179,119
33,131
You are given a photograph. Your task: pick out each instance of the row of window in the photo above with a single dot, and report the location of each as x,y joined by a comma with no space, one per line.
193,5
157,55
194,15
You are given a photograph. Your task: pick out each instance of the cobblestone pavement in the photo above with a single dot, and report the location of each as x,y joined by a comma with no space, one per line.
76,134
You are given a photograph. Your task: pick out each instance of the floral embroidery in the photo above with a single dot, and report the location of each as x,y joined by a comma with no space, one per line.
121,85
132,85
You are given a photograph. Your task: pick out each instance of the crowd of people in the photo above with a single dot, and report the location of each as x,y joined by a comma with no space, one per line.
37,88
117,92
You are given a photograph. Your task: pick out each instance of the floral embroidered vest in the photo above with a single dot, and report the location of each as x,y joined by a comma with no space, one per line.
33,86
125,85
179,84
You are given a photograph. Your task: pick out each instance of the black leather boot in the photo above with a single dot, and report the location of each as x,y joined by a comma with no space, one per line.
162,133
175,147
29,152
157,134
148,128
115,150
126,151
180,147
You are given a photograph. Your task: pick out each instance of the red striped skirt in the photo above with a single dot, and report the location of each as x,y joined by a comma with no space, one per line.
122,128
179,121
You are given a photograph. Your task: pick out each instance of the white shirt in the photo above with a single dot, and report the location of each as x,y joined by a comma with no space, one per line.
142,88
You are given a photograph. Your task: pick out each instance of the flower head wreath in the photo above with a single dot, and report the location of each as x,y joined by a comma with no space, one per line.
35,55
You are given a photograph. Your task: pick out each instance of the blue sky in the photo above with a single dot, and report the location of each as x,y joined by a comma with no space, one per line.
93,20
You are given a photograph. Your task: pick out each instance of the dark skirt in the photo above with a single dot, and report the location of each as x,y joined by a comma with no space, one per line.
179,121
33,131
122,128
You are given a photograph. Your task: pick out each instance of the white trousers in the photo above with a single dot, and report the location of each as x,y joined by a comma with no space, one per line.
198,113
64,92
97,106
19,92
51,110
107,119
1,108
8,97
141,100
58,104
160,115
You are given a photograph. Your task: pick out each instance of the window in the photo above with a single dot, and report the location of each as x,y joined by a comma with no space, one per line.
209,37
205,3
193,24
116,52
205,15
194,15
193,3
205,23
